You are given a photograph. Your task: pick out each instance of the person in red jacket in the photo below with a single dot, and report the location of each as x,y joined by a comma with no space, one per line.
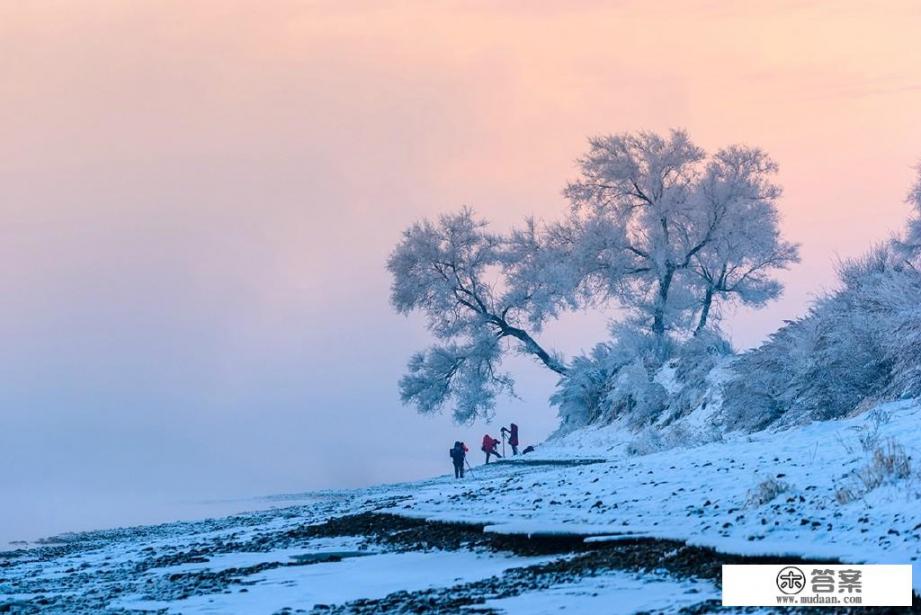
511,432
489,447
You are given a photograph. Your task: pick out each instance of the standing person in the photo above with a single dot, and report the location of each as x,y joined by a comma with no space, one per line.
512,431
489,447
458,456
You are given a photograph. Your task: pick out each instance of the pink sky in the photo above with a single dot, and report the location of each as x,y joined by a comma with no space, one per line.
379,114
198,199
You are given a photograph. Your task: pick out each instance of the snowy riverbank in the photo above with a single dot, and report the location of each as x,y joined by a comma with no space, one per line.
655,527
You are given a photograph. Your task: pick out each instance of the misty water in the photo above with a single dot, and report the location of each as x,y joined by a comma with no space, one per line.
51,514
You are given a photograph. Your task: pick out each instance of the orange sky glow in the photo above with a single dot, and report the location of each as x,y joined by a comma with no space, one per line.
198,198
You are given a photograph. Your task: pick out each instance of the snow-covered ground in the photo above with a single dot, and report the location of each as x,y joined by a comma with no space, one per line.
615,594
794,492
708,495
336,582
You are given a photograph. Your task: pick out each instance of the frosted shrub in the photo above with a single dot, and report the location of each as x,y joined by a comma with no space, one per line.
648,441
694,360
857,345
766,491
901,339
763,386
653,439
697,356
636,396
869,434
888,464
618,380
614,380
680,436
581,398
747,408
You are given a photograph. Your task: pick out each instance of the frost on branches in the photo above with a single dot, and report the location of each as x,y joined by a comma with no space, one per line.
667,236
656,228
856,346
912,243
670,233
456,273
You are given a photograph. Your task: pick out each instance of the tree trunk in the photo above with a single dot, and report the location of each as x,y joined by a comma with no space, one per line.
705,311
658,318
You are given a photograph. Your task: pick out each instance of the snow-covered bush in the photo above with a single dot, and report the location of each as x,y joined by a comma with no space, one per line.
766,491
648,440
855,345
888,464
694,360
697,356
654,439
900,299
869,435
615,380
761,388
581,397
636,396
626,379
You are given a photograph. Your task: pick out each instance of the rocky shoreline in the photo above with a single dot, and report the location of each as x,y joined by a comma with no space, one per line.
95,585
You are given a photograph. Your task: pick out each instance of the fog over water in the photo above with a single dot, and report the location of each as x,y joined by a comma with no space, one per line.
198,201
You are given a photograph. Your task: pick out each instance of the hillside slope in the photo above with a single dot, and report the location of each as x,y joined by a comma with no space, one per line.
842,489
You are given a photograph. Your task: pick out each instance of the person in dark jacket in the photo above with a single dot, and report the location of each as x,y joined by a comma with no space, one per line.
489,447
458,456
511,432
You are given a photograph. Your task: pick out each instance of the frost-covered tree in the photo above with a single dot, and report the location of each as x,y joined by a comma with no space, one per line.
666,232
856,346
541,272
454,272
656,228
912,243
745,248
635,204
